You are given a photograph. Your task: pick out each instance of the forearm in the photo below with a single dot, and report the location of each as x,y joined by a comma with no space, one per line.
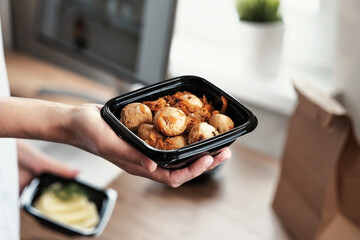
83,127
35,119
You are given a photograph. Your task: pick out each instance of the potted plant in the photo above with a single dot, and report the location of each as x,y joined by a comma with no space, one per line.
261,36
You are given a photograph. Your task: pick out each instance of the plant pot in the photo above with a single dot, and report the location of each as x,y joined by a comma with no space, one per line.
260,46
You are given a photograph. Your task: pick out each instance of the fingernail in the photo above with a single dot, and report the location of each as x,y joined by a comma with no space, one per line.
209,163
153,167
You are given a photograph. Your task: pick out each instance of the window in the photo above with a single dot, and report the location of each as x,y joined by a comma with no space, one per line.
206,43
308,7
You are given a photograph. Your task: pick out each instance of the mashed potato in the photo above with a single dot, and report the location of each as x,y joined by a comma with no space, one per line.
69,207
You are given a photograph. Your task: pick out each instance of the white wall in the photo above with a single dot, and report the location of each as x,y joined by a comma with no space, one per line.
348,57
6,22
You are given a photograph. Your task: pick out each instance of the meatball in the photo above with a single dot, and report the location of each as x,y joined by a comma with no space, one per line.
149,134
170,121
134,114
193,101
201,131
175,142
221,122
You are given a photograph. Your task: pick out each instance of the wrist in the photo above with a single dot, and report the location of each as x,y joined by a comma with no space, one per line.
55,123
71,126
80,128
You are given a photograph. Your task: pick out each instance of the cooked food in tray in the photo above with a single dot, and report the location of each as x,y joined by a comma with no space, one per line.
135,114
69,205
201,131
221,122
170,121
174,121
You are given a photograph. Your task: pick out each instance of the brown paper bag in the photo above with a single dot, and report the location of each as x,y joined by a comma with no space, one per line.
318,194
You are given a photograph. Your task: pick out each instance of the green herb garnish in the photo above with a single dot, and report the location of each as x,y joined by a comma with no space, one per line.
67,191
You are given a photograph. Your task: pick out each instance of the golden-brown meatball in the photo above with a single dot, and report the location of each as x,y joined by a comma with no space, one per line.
149,134
193,101
201,131
221,122
170,121
134,114
175,142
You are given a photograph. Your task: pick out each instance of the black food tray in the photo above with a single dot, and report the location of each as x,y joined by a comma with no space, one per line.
244,120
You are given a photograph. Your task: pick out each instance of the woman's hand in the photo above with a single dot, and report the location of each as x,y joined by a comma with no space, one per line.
33,162
94,135
83,127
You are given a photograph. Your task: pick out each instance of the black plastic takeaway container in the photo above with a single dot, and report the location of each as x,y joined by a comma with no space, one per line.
243,118
104,199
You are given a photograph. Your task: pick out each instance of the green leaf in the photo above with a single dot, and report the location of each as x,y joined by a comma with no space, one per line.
66,192
258,10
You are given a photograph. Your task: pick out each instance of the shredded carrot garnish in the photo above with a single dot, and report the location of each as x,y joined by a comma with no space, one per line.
142,108
169,144
161,144
204,100
156,105
195,114
224,106
153,136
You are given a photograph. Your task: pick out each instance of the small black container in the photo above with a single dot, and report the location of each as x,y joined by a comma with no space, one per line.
104,200
243,118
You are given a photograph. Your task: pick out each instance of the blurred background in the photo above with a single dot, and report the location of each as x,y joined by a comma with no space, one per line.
78,51
126,44
121,44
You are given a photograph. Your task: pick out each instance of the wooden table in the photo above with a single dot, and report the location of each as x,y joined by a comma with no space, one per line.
235,204
30,77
